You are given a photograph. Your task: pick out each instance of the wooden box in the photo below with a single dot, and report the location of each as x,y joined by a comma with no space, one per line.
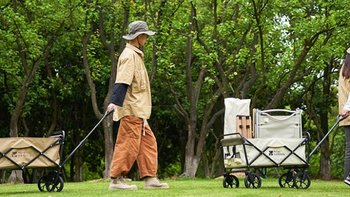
244,126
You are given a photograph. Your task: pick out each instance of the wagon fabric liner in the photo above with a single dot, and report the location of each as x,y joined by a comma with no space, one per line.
29,152
268,152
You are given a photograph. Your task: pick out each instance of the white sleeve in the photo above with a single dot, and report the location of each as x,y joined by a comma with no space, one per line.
347,104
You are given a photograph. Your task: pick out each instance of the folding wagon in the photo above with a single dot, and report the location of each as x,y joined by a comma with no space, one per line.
274,138
19,153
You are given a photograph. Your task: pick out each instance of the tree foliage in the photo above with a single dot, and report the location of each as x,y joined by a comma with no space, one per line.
58,58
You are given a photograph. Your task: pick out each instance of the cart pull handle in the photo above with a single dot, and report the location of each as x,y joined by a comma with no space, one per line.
279,110
339,118
83,141
282,117
278,118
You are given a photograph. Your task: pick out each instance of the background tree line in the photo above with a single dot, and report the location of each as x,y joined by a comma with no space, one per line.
58,62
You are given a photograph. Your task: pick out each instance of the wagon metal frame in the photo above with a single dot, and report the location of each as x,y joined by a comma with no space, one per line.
20,153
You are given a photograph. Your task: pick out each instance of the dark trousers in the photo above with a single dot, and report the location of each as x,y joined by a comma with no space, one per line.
347,151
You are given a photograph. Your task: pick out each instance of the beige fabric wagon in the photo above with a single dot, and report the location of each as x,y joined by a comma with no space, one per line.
29,152
275,141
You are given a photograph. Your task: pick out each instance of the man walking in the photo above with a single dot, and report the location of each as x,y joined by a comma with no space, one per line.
131,102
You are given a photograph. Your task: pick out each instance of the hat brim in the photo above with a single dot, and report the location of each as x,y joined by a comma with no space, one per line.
133,36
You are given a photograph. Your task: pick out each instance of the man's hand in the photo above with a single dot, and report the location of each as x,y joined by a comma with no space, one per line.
111,107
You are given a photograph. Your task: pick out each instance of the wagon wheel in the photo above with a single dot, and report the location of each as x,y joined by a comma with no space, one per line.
302,180
54,182
230,181
42,183
286,180
252,180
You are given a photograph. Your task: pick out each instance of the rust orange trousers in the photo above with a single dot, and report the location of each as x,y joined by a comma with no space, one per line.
135,142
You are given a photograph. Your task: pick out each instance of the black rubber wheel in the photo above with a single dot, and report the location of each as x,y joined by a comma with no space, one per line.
302,180
230,181
286,180
42,183
54,182
252,180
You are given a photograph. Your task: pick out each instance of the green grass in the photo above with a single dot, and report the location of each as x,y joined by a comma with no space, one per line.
183,187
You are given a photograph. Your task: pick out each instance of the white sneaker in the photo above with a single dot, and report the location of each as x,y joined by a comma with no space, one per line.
119,183
347,180
154,183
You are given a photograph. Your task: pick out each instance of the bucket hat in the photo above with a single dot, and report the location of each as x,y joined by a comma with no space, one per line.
348,51
136,28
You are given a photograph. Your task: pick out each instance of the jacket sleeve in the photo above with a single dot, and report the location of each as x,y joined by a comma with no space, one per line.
119,92
347,104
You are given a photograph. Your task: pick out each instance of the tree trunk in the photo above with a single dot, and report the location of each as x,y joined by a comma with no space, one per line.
108,136
191,160
325,161
16,176
71,168
325,168
191,166
319,114
216,168
206,166
2,176
195,141
108,122
78,166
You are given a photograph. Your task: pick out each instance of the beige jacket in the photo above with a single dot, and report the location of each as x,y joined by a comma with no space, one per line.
343,94
131,70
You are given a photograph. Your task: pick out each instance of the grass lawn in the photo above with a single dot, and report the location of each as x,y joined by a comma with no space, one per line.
183,187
